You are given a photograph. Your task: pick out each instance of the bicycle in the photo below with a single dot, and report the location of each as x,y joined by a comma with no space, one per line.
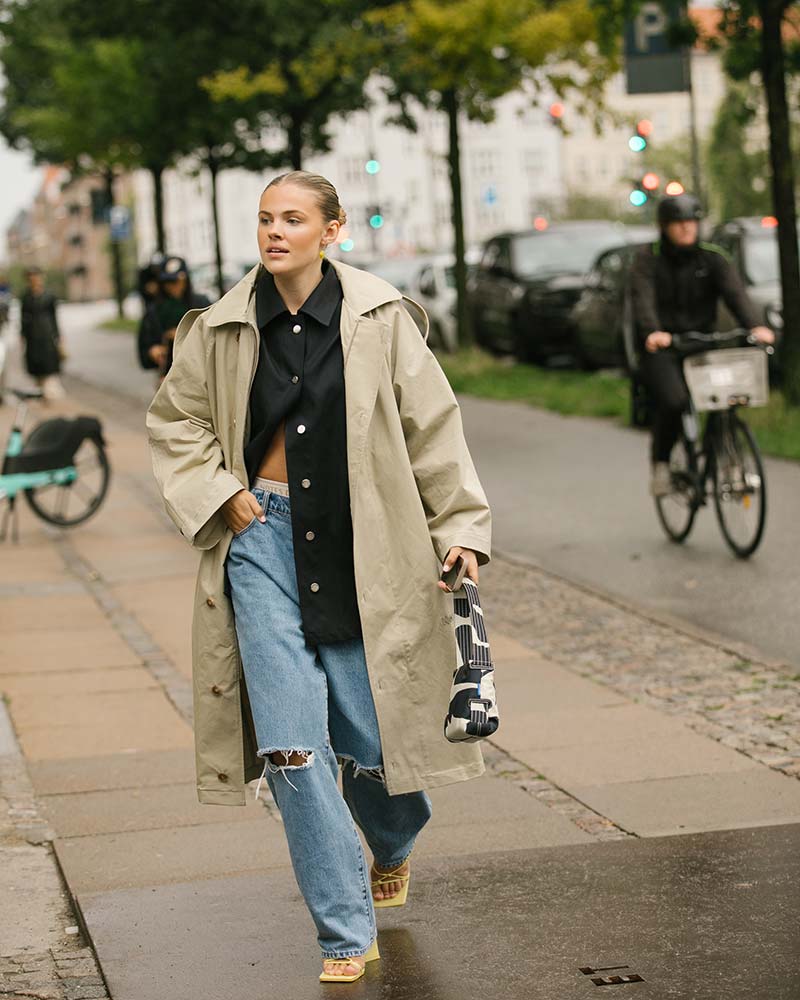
725,463
61,468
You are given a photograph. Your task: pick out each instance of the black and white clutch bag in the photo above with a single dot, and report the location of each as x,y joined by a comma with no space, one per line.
473,701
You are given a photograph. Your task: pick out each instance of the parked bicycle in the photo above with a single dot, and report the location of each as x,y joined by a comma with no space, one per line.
61,468
725,461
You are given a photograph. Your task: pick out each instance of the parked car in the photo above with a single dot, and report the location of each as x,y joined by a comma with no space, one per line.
435,287
753,245
602,312
429,280
524,289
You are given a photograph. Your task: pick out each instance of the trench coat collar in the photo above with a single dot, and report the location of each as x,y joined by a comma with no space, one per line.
362,293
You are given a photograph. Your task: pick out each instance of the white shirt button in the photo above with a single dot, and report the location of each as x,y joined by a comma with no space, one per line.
314,587
301,428
310,536
297,328
305,483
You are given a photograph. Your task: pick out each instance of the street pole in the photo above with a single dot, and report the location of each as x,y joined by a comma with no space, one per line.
696,178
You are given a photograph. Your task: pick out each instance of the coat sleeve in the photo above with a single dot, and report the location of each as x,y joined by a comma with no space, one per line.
454,502
187,456
732,289
642,285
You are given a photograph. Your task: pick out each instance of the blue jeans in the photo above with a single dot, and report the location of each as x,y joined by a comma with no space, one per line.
313,706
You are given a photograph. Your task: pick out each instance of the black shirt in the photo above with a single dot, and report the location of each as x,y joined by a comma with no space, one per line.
300,378
678,289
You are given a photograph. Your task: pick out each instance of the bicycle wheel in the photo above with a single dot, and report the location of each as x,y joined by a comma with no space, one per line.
740,497
676,511
68,504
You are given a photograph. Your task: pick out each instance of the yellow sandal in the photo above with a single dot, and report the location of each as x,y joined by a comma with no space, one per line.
370,956
384,878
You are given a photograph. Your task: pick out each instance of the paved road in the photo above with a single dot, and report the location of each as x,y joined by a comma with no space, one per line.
570,493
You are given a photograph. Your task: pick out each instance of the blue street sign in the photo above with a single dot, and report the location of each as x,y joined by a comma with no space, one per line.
120,223
489,195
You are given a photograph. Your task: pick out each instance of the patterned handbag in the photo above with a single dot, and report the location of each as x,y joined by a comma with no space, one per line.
473,701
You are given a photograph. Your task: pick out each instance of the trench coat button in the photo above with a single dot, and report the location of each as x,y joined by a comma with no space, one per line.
217,690
295,379
211,602
222,776
297,328
305,483
301,428
310,536
314,587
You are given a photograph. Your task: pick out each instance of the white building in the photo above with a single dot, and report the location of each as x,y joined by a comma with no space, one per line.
510,173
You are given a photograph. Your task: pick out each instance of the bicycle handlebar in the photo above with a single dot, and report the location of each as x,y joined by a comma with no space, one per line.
695,339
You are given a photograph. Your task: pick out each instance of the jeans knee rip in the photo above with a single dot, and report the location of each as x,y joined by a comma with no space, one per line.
374,773
308,760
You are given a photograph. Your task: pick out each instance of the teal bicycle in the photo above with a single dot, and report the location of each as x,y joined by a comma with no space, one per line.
61,468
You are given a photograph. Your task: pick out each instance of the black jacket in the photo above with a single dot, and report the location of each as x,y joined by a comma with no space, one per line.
39,329
676,289
164,314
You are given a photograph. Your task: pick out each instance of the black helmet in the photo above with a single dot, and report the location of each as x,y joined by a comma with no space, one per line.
679,208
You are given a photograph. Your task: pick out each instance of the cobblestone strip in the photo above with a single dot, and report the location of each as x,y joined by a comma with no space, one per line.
751,706
500,764
66,972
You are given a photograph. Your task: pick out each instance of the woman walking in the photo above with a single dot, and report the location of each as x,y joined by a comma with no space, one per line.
308,442
41,336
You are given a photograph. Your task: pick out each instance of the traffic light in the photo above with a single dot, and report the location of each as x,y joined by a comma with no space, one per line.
556,112
374,216
372,166
651,182
638,141
637,197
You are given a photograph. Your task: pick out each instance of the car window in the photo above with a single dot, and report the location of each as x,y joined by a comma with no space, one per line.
541,253
760,253
497,255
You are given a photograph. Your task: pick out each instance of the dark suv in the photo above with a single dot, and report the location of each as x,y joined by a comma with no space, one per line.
523,291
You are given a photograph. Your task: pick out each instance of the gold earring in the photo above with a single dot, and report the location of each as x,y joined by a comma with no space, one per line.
322,253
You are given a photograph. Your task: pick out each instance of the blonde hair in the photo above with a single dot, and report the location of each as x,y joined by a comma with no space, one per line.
326,196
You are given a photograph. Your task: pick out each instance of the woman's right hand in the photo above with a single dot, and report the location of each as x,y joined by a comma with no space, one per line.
240,509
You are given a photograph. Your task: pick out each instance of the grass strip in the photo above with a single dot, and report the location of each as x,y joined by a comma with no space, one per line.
123,325
596,394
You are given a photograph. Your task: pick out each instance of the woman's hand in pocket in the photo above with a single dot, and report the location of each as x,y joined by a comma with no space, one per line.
240,509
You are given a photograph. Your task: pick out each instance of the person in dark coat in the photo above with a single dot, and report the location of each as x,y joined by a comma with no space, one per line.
148,281
157,329
41,336
676,285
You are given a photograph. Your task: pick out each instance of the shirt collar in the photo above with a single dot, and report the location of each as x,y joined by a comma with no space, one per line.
320,305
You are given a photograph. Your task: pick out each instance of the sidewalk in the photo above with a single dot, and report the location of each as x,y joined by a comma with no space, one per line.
597,751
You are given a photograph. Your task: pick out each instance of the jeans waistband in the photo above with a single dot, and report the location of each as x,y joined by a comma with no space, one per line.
271,486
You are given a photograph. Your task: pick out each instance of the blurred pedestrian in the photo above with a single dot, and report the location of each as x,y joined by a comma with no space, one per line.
158,325
676,286
148,284
41,338
328,520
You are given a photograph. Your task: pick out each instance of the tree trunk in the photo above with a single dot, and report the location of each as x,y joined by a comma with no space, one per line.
213,168
773,71
451,107
157,173
116,250
295,140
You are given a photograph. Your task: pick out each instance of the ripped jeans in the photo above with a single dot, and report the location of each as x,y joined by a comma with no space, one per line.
313,705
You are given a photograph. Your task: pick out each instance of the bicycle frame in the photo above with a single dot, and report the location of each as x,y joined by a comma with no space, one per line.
704,456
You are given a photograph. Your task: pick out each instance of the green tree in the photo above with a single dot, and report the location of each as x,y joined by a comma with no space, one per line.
762,38
737,171
458,56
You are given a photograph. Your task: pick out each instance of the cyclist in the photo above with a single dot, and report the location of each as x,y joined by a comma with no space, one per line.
676,284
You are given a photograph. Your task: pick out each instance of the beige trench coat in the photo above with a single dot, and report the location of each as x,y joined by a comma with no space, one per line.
414,493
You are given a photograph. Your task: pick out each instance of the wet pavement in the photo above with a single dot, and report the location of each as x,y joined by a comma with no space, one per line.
711,917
